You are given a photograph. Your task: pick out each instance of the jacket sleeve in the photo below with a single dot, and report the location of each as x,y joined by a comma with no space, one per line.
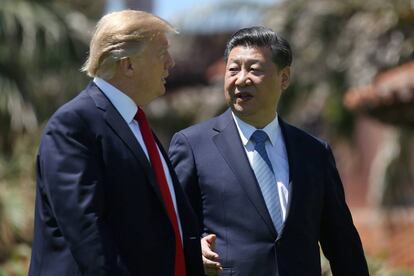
182,159
339,239
70,178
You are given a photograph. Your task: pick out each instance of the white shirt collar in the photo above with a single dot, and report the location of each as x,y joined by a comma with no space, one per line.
122,102
246,131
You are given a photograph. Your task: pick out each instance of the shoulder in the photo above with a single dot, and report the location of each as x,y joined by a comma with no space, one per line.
77,109
302,138
198,134
205,128
79,115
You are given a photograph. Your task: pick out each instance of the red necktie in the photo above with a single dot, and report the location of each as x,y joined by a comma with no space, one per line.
165,191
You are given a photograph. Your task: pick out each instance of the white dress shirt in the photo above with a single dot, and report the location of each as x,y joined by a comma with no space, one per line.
127,108
276,150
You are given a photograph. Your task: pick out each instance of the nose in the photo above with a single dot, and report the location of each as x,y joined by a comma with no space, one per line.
242,78
170,63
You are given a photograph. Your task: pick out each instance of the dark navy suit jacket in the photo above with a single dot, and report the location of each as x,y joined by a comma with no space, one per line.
213,168
99,210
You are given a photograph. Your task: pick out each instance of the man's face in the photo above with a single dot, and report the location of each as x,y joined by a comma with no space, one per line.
152,67
253,84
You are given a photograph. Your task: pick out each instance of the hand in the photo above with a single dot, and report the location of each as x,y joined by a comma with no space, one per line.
210,258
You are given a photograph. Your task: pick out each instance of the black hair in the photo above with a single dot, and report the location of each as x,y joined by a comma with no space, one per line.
259,36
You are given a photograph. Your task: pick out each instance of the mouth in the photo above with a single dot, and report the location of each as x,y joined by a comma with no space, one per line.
243,96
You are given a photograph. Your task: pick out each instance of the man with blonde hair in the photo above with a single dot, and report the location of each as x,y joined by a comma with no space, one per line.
107,199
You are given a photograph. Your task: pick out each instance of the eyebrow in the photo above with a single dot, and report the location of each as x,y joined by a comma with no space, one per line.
249,60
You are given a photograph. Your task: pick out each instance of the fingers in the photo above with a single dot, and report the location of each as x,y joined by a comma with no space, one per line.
211,267
211,262
210,239
207,247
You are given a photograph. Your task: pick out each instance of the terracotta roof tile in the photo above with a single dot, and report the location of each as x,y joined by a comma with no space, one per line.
389,98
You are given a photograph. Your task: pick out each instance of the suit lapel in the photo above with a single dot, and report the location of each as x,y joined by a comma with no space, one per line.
229,145
122,130
295,175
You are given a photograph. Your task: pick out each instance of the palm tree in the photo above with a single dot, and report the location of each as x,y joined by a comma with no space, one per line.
43,44
40,41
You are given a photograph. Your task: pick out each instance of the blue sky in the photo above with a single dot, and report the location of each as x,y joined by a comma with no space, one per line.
192,15
168,8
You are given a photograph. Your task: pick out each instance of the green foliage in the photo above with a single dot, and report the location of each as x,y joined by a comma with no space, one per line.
40,40
17,264
17,196
339,45
43,45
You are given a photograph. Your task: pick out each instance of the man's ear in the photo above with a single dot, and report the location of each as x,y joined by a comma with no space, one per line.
285,77
126,66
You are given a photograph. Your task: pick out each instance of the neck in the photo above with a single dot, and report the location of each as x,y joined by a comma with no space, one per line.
259,122
127,88
120,84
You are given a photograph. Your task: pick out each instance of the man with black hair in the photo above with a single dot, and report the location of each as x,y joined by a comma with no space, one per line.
266,193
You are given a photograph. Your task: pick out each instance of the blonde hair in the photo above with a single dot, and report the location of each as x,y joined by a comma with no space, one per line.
119,35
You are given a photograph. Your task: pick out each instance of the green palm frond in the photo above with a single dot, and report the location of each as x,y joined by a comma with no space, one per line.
33,25
22,116
38,39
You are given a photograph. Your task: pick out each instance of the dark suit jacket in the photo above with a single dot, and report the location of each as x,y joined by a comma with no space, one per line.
212,166
99,210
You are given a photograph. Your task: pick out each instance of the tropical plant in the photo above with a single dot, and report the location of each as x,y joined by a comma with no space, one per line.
41,43
338,45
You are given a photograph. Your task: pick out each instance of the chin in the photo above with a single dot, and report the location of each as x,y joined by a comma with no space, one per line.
162,90
243,111
239,111
161,93
240,108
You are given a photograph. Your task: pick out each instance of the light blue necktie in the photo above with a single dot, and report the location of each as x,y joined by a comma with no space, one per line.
265,177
